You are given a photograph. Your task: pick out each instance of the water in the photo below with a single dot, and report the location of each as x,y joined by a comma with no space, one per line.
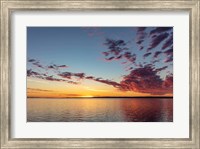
100,110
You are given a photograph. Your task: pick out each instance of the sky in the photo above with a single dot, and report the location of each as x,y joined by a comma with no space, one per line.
99,61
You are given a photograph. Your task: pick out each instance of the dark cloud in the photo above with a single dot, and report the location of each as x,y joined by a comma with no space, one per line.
168,43
115,47
161,69
146,55
169,52
131,68
105,53
159,30
118,50
141,48
79,75
168,59
168,82
130,57
119,57
156,54
62,66
140,35
30,72
89,77
56,67
113,44
154,36
139,65
37,64
51,78
139,42
157,40
68,75
144,80
141,79
110,58
155,61
34,74
31,60
51,67
108,82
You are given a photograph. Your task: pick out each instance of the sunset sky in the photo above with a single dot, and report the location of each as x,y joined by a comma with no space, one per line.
99,61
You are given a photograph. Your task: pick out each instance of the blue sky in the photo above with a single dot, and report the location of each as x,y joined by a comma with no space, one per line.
81,50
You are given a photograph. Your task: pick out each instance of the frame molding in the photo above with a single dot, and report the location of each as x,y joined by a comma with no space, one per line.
7,7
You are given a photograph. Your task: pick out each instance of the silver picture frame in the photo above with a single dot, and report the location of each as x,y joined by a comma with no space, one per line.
10,6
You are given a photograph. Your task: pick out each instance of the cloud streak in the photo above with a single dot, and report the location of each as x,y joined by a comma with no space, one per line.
144,80
56,67
140,35
37,64
157,53
159,30
146,54
118,50
69,75
33,74
168,43
157,40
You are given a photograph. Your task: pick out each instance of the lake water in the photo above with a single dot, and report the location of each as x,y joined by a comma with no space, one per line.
100,110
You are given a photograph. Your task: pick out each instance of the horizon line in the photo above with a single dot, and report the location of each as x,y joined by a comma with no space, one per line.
111,97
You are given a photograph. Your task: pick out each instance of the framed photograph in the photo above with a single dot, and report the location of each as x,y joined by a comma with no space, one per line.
100,74
140,91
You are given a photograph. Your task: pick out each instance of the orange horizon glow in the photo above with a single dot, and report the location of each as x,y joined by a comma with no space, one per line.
41,88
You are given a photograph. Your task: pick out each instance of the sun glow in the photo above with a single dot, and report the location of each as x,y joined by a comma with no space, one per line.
87,96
